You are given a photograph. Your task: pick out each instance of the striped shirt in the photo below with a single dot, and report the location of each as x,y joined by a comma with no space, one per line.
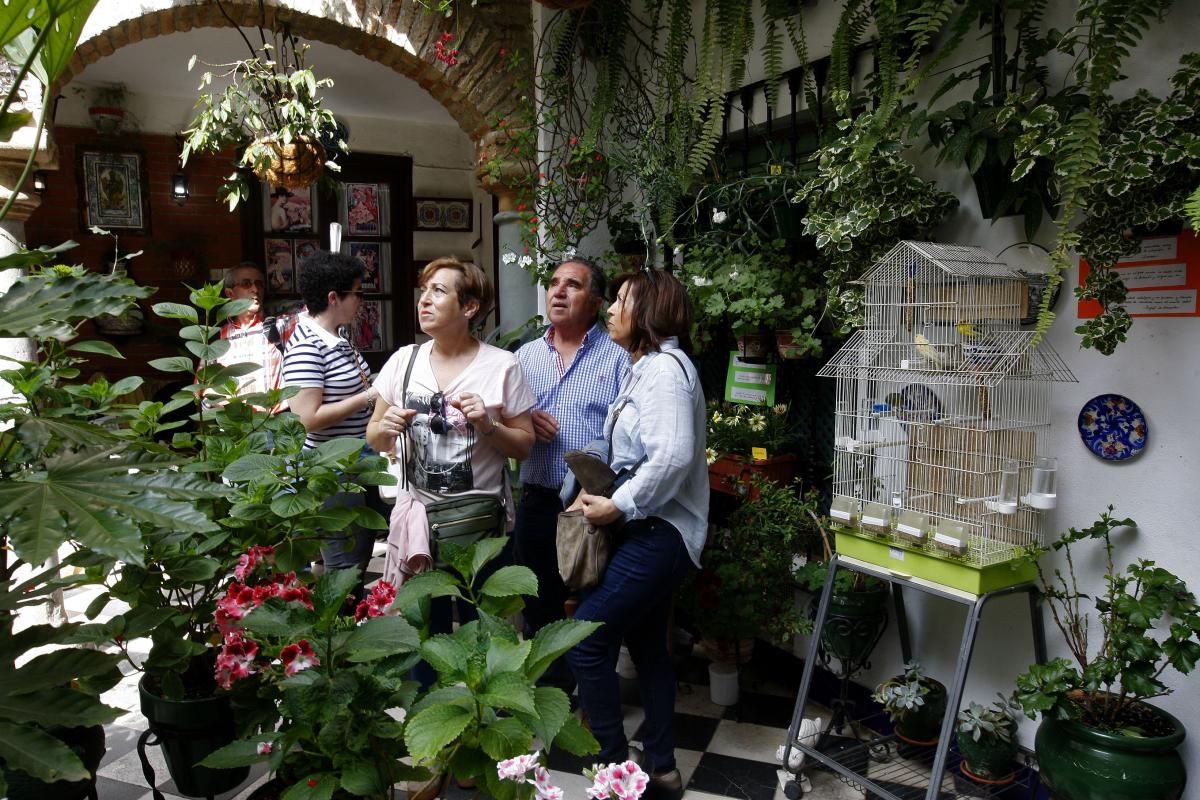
316,358
577,396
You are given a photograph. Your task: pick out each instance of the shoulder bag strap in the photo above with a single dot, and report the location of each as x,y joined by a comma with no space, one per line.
402,442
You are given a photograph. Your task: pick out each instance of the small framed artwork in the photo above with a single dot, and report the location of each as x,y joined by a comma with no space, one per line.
443,214
365,209
113,190
281,265
373,256
367,333
288,210
304,249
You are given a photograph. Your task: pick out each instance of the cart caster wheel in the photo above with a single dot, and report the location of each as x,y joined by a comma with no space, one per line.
794,790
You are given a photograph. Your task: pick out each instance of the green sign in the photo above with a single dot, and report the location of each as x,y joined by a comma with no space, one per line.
752,384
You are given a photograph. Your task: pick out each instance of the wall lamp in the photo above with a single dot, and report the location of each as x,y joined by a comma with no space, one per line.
179,187
39,181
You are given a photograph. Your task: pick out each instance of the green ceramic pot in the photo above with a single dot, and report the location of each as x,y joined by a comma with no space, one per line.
854,623
1080,763
188,730
990,759
924,725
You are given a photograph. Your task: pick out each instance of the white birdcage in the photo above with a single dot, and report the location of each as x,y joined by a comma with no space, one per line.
942,402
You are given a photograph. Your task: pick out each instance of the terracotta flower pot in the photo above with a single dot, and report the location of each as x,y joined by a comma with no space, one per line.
733,474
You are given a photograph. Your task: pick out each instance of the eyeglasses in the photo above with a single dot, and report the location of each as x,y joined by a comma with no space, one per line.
249,283
437,413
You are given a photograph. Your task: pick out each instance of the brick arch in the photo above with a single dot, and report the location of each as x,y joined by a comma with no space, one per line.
395,33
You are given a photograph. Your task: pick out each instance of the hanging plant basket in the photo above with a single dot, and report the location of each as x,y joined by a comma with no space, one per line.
295,165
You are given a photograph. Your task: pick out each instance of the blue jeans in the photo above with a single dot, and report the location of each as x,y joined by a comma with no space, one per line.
634,603
534,546
351,549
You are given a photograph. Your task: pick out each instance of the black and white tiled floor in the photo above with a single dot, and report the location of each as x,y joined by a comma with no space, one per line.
721,752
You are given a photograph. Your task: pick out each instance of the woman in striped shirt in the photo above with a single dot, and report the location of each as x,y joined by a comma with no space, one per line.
336,397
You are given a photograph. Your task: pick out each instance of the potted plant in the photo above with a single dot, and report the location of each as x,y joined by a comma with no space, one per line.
735,432
987,740
58,444
270,110
1099,738
107,108
747,586
748,293
349,713
253,484
916,704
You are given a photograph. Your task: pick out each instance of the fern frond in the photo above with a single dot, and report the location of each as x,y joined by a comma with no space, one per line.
1191,209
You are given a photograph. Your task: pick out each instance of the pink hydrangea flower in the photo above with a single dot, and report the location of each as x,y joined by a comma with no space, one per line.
298,657
625,781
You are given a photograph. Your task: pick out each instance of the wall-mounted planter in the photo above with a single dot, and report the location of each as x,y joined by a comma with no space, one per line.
108,119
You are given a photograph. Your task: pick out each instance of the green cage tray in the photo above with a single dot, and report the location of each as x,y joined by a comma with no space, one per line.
959,575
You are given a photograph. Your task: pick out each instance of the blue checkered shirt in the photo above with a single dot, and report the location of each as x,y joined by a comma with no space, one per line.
578,395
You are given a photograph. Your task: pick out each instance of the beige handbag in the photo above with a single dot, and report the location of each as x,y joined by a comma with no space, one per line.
583,550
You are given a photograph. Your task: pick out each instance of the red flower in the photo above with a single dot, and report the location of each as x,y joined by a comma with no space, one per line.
250,559
312,782
599,157
522,207
533,220
502,123
377,602
574,141
298,657
236,659
503,52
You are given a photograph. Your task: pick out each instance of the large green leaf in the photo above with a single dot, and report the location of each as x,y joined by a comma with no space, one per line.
92,497
255,465
60,667
552,709
241,753
576,739
434,728
18,15
447,655
380,637
57,707
39,754
361,778
335,450
43,306
331,589
315,786
510,691
505,656
553,640
505,738
72,15
510,581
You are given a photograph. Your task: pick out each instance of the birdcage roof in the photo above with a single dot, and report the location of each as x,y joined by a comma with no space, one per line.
906,259
1000,356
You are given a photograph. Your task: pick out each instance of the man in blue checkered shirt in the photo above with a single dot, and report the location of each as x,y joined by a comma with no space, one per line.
575,371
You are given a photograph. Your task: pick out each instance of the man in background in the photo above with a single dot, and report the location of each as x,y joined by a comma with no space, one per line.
575,371
252,341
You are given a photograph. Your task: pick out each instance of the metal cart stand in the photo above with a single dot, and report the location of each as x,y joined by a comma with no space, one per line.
854,769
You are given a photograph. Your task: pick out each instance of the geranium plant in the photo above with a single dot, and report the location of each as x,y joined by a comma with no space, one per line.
340,681
617,781
1149,621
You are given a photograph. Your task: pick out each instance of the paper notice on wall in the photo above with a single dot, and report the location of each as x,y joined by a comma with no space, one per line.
739,394
750,383
1154,248
1162,276
742,376
1154,276
1164,302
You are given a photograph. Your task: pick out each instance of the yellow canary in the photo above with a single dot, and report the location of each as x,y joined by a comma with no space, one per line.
967,330
930,353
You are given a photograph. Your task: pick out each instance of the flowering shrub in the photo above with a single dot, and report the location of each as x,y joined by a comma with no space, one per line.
735,429
339,682
624,781
347,712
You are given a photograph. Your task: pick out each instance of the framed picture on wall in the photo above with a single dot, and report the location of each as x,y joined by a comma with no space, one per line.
281,265
443,214
368,331
373,256
288,210
365,209
113,190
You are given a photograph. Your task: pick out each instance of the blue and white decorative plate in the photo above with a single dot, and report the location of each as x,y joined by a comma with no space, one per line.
1112,427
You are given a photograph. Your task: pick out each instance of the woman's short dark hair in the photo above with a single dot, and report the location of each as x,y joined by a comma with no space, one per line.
324,272
473,284
658,308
